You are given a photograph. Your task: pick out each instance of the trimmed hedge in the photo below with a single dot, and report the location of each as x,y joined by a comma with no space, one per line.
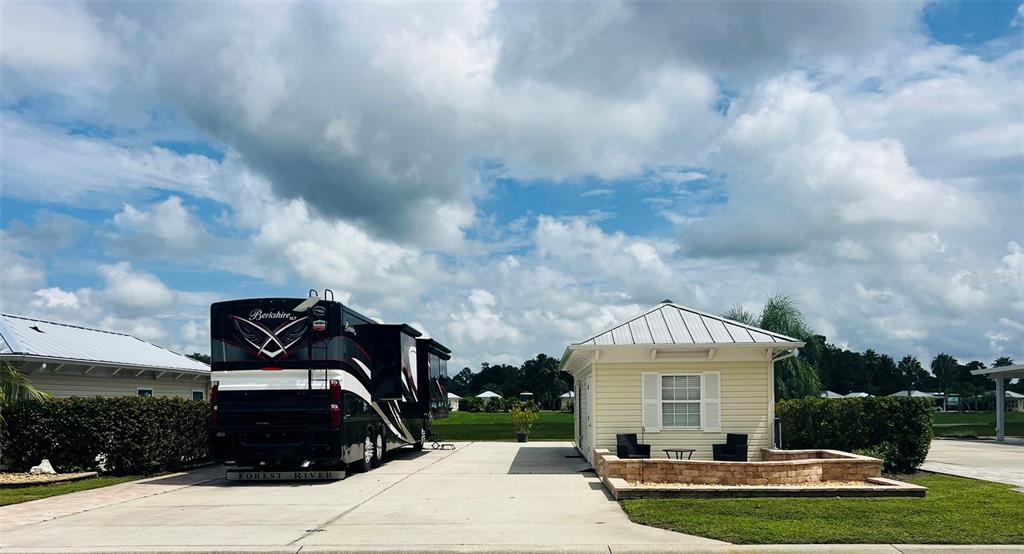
896,429
132,435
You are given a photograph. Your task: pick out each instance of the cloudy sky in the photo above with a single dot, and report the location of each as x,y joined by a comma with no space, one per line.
511,177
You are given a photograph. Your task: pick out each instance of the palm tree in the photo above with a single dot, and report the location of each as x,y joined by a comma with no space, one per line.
911,371
1002,361
943,368
795,377
15,387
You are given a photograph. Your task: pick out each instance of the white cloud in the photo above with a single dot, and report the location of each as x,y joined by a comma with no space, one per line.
56,39
134,290
45,163
55,297
797,179
870,173
168,229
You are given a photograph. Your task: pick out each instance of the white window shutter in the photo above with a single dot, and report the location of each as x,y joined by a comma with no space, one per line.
651,419
712,402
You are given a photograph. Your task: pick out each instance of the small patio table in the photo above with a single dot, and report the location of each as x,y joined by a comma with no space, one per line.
678,452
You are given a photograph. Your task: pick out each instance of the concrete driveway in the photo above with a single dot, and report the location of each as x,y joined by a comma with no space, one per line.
987,460
480,495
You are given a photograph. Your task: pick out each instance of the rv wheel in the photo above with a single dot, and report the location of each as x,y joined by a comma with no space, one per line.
366,462
378,451
418,445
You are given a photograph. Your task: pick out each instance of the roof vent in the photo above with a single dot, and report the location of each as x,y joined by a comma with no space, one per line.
666,301
36,329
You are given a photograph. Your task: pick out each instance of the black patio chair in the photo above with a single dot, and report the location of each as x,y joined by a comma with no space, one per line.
734,449
627,447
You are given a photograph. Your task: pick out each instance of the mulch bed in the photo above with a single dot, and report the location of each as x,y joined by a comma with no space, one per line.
13,480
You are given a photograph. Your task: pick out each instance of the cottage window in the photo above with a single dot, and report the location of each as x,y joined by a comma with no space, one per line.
680,401
144,392
198,395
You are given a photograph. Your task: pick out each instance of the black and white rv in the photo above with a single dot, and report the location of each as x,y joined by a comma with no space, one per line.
310,384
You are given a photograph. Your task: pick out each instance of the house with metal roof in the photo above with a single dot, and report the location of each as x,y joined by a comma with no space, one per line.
565,401
69,360
453,402
679,378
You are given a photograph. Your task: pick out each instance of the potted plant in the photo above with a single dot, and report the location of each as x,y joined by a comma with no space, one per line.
523,419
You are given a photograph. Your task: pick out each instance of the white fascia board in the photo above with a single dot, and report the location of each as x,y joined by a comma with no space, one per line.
1008,371
15,358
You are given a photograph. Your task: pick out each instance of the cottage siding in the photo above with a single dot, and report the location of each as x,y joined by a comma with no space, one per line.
104,385
746,392
583,430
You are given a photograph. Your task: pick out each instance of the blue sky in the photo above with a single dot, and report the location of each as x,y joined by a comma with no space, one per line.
512,187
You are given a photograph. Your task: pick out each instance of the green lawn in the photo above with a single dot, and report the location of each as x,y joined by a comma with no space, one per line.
981,424
24,494
955,511
468,426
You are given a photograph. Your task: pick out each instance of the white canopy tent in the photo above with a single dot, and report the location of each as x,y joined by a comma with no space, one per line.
1000,375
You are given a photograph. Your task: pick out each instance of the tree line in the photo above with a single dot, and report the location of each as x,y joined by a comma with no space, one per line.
845,371
818,366
539,376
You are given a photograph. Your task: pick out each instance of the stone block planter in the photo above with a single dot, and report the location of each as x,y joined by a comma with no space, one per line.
780,473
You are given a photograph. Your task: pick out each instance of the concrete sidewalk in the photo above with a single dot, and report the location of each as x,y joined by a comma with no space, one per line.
539,549
44,509
482,495
982,459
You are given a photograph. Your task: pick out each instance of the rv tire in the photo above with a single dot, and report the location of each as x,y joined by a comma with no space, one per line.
364,463
418,445
378,450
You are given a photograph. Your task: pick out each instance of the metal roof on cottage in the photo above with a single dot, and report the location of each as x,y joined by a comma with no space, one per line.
670,323
24,339
673,332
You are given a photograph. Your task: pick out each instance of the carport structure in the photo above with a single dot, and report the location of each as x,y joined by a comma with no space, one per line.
1000,375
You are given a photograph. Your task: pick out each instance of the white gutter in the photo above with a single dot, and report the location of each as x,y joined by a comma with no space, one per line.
98,363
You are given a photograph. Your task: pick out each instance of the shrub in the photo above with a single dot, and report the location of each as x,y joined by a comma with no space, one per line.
898,429
524,419
568,406
471,404
130,434
494,405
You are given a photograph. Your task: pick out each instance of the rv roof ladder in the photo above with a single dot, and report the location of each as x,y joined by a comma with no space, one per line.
318,339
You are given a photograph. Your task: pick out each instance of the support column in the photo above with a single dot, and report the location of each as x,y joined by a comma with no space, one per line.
1000,407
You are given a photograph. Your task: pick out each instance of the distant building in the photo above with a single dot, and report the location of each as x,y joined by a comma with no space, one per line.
68,360
916,394
487,395
829,394
566,400
526,396
453,402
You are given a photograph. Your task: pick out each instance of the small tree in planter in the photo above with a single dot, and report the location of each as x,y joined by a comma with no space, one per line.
523,419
